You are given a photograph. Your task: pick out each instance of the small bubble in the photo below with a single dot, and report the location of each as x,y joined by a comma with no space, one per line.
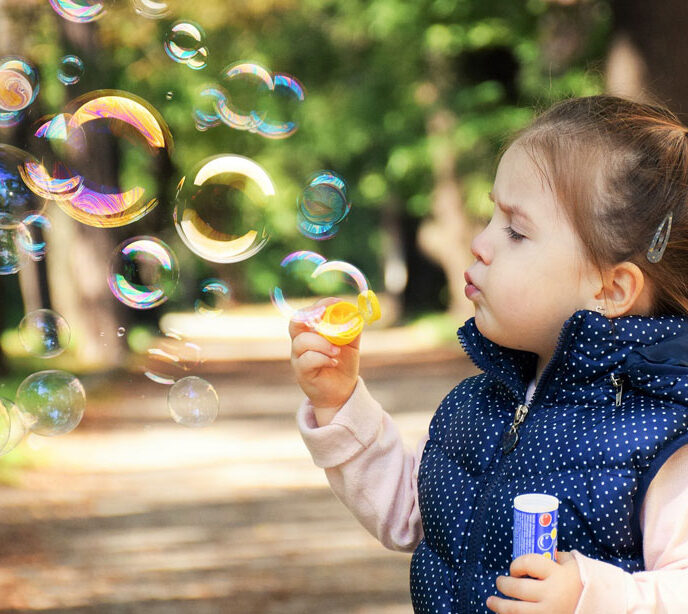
121,331
44,333
193,402
169,95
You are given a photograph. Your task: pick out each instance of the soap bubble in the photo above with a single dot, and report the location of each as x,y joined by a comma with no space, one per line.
5,407
247,85
16,200
220,208
14,238
143,272
37,225
44,333
322,205
213,298
121,331
185,44
71,69
88,126
288,92
312,276
170,358
192,401
256,99
14,425
206,114
54,400
8,119
18,84
150,9
79,11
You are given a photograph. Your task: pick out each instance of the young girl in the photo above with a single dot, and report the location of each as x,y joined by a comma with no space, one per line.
580,288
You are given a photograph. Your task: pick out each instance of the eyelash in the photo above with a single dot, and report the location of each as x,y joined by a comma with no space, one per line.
513,235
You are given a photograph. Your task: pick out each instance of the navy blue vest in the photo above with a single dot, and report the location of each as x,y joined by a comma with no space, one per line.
596,456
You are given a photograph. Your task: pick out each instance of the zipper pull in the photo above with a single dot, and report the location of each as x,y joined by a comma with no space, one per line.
617,382
511,437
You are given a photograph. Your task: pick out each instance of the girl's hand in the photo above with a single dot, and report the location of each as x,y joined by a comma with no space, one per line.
539,585
326,373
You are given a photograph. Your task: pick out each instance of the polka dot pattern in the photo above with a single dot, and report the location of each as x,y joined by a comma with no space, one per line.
576,444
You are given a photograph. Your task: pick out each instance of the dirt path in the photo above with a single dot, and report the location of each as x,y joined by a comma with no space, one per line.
133,513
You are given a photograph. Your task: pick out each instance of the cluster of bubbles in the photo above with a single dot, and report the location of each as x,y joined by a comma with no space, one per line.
250,98
322,206
48,403
185,44
220,212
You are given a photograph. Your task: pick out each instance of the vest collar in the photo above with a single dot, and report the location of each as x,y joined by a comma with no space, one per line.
590,346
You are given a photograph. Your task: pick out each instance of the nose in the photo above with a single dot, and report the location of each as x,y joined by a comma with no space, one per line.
480,247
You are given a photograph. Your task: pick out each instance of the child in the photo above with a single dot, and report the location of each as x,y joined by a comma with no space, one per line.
580,288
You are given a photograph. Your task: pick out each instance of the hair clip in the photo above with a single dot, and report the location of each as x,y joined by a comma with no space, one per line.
660,240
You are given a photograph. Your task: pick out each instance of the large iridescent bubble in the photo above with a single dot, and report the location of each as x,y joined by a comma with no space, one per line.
220,208
18,84
79,135
143,272
54,400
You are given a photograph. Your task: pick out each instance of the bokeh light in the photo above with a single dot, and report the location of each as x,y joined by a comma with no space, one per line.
143,272
54,400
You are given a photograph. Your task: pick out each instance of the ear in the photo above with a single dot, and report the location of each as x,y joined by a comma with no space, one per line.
624,291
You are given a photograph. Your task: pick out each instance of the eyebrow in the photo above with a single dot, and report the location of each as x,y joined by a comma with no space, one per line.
513,210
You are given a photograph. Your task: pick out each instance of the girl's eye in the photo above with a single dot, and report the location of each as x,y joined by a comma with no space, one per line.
515,236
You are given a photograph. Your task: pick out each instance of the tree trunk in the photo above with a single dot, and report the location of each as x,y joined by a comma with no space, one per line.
446,234
647,54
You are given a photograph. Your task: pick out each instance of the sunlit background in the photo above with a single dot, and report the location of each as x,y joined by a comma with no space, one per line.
179,178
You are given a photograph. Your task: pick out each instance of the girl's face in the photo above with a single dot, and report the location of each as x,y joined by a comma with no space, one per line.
530,273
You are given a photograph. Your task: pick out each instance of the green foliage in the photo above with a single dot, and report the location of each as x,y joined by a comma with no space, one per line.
376,72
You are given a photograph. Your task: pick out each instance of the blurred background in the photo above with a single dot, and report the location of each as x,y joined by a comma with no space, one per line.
410,103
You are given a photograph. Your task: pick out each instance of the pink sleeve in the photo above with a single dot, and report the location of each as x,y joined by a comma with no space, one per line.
663,587
368,468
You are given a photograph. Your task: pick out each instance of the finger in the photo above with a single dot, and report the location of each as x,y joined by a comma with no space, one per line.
564,557
533,565
507,606
312,361
312,341
525,589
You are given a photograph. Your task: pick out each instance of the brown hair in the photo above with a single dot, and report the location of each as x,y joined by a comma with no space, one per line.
618,168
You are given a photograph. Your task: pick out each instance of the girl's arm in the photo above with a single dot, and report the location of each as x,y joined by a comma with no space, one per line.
368,468
664,586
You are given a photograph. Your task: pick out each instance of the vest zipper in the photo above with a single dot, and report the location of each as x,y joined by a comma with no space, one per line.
473,547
